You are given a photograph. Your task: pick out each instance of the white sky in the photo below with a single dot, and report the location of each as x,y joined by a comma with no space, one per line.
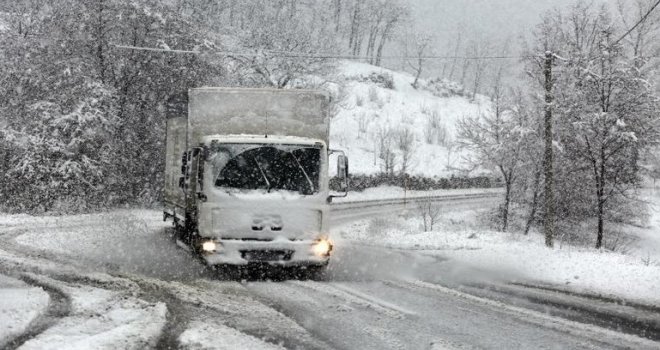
501,19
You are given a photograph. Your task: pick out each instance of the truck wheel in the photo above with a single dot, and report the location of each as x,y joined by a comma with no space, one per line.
315,272
228,272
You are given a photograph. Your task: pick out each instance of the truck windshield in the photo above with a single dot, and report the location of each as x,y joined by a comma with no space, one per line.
266,166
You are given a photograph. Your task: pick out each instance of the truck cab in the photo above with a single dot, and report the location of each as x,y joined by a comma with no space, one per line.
258,197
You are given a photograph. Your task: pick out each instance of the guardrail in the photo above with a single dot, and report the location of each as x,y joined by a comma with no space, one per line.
347,205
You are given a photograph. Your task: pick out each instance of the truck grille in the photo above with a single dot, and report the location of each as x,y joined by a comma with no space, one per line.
266,255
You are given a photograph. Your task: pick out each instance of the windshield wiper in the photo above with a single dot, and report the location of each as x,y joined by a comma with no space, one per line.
262,173
309,181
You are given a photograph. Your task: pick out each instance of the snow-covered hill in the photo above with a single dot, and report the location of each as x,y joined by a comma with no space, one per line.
370,107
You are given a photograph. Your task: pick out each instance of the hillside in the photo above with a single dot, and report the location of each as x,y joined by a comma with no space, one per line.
372,112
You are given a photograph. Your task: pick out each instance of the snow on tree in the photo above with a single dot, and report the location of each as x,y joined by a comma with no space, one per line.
497,142
605,116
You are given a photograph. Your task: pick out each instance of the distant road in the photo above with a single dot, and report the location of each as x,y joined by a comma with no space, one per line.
349,210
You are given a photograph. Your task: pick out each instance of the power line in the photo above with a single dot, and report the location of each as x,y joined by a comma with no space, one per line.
638,22
128,47
285,54
317,55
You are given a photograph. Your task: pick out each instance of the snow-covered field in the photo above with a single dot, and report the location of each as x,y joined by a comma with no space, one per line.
369,109
465,239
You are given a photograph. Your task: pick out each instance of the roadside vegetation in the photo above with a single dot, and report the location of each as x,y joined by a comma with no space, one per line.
605,124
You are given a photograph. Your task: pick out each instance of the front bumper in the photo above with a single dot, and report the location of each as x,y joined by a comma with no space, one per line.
277,252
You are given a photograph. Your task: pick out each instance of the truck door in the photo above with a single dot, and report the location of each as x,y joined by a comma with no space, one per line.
191,184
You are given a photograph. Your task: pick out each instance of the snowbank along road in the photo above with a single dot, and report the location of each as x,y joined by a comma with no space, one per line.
117,281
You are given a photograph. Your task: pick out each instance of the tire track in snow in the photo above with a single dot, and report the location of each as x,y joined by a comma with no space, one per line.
580,330
334,316
59,306
372,299
355,297
181,310
603,312
232,305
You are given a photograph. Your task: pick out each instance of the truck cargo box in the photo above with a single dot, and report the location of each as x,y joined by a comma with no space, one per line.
232,111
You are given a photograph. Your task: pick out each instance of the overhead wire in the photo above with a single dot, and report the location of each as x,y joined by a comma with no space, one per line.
641,20
320,55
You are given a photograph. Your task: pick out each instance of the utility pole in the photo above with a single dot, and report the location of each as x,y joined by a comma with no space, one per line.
549,204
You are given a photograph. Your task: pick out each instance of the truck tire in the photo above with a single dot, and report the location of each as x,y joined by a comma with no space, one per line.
315,272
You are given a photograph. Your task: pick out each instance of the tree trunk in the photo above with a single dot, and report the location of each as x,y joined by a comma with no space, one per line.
371,42
379,53
353,37
337,15
418,71
549,200
600,194
232,10
505,210
477,81
455,59
535,199
599,238
100,39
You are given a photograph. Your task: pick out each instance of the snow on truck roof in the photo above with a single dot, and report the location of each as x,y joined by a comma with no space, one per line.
272,112
262,139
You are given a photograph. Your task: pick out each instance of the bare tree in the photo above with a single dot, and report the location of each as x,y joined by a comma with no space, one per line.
396,13
405,141
385,139
421,42
454,60
641,40
653,164
363,123
479,49
265,65
429,212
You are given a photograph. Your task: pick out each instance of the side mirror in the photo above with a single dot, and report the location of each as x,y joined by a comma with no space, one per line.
341,166
184,163
342,171
342,175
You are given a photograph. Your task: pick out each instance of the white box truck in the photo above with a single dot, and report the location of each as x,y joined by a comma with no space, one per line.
246,177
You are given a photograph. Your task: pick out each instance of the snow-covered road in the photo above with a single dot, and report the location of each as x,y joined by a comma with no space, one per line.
117,281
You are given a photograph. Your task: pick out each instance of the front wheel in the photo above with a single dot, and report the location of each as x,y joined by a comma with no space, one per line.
315,272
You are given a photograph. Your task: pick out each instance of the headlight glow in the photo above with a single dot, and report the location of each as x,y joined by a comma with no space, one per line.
322,248
209,246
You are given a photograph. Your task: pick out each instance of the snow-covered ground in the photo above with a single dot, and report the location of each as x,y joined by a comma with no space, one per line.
87,253
369,108
127,286
465,239
101,319
20,306
214,336
107,241
647,242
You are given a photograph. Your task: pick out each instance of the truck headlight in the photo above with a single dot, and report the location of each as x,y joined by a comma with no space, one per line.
322,247
209,246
